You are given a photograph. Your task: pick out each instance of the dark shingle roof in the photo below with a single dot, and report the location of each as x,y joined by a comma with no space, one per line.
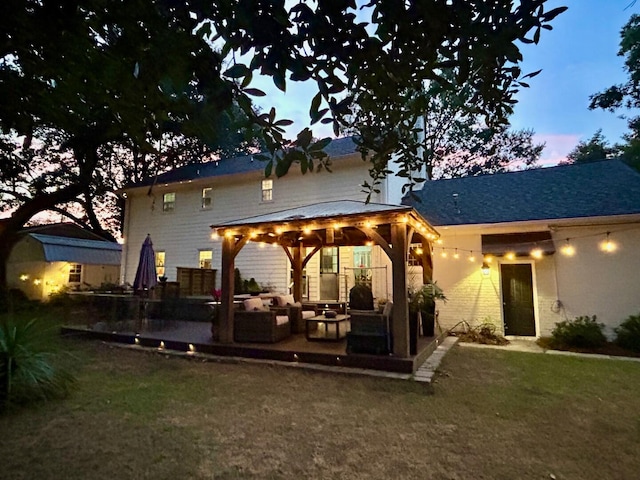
594,189
337,148
67,230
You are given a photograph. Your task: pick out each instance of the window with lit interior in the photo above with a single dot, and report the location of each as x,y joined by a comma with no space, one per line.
169,202
207,198
160,259
75,273
267,190
205,257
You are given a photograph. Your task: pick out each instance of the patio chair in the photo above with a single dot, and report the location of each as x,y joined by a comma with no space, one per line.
258,324
370,331
298,313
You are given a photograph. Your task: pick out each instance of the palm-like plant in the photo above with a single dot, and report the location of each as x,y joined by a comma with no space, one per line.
28,369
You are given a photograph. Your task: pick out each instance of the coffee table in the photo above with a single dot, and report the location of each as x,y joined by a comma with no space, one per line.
322,332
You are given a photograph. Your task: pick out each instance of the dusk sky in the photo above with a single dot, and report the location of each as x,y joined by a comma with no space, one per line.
578,58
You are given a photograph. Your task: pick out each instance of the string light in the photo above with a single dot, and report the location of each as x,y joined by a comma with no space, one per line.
567,249
537,253
608,246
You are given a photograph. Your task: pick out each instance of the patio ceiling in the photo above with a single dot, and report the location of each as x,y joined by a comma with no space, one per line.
334,223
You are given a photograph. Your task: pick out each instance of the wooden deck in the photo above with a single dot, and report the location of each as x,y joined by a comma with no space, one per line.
184,336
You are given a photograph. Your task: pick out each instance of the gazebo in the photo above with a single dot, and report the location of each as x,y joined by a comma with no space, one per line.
395,228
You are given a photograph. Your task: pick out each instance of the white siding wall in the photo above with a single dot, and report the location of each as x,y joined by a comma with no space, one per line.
589,283
186,230
596,283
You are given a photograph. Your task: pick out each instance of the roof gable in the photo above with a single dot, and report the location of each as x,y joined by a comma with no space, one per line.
594,189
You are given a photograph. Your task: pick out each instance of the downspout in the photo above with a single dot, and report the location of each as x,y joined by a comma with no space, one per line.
125,244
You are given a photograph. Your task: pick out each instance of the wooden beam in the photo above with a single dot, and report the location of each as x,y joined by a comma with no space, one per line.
427,262
378,239
239,244
286,250
310,256
225,316
297,273
400,313
410,238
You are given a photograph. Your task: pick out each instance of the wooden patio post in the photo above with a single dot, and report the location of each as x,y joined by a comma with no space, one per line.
296,265
400,313
227,287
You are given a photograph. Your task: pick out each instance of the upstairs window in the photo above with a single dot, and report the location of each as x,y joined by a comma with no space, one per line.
168,202
75,273
160,259
267,190
207,198
205,257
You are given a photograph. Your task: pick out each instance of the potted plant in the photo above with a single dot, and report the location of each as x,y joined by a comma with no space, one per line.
423,302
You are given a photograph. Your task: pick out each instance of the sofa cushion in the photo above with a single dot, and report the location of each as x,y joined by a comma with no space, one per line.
284,300
308,314
254,304
282,319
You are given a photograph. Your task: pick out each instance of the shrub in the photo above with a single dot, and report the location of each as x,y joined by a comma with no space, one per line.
581,332
628,333
28,367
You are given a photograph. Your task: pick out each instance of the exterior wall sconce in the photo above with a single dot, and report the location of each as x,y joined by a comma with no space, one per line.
485,269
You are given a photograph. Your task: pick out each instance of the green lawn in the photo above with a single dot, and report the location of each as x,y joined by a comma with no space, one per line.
491,414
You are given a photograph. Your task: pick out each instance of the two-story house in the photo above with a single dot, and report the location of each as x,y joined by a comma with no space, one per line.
177,209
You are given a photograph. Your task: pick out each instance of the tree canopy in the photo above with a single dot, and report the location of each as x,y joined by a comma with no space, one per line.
91,74
593,150
625,97
451,137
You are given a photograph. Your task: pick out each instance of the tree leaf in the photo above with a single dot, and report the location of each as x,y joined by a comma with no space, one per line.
254,92
237,71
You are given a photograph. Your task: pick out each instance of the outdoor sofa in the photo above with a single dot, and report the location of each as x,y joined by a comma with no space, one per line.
259,324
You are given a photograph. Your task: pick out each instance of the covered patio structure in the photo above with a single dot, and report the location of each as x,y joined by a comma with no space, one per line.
395,228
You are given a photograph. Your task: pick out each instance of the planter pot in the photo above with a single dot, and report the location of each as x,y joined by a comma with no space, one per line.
413,333
428,324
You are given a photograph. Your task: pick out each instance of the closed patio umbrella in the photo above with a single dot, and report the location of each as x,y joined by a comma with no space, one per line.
146,276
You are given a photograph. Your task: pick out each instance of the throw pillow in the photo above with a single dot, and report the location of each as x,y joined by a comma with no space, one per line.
284,300
251,304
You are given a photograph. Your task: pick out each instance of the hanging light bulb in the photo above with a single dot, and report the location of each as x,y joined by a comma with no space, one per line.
444,253
510,256
537,253
456,255
608,246
488,258
567,249
472,257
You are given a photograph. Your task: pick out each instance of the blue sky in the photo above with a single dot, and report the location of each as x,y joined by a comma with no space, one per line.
578,58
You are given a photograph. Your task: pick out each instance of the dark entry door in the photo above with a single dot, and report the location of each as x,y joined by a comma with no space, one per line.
517,298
